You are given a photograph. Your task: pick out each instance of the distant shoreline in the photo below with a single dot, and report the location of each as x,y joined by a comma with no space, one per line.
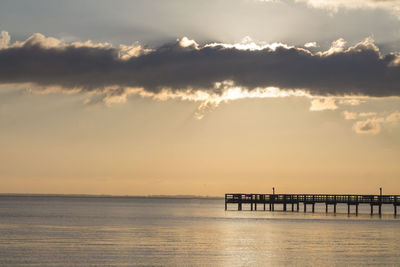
109,196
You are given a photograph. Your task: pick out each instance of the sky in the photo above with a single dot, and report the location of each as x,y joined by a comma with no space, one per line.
199,97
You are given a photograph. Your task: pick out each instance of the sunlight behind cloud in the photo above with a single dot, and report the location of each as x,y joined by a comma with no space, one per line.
209,100
248,43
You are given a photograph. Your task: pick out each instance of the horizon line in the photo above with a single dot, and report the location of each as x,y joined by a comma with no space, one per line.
107,195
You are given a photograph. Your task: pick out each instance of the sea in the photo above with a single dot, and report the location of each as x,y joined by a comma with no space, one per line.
39,230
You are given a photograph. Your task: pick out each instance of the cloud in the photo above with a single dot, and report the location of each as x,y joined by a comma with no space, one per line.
354,115
349,115
269,1
4,39
393,117
337,46
320,104
211,73
392,6
186,42
310,44
367,114
351,101
371,126
359,70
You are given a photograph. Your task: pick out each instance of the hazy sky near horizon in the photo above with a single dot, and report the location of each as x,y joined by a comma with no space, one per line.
199,97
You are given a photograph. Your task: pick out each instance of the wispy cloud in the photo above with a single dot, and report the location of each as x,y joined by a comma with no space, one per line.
392,6
393,117
370,126
349,115
351,101
371,123
319,104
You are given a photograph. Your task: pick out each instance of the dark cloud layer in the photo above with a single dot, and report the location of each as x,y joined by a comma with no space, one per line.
359,70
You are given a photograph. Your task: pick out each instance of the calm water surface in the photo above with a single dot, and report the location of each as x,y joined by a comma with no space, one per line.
111,231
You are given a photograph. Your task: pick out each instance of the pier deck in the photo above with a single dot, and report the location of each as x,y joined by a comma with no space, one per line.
311,199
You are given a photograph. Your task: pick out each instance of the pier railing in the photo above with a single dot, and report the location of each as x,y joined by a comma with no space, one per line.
328,199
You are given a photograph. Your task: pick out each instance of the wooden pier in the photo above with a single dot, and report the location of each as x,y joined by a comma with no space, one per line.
294,200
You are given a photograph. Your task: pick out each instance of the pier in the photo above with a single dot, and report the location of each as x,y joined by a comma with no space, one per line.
309,200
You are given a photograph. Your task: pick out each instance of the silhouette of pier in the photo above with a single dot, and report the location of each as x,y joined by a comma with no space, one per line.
294,200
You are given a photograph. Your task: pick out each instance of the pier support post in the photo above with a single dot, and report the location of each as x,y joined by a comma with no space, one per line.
357,209
270,206
255,206
298,206
334,208
380,209
273,207
226,205
348,208
240,206
395,210
305,207
292,206
264,205
372,209
326,208
284,206
313,207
